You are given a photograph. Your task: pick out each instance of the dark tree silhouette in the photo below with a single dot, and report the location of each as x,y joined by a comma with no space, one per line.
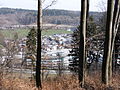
39,29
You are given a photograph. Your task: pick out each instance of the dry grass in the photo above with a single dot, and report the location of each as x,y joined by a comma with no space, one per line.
59,83
94,83
16,84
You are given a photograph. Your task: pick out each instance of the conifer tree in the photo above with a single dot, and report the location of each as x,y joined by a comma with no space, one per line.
74,53
31,42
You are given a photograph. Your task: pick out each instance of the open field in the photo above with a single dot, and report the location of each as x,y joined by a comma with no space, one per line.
24,32
10,33
52,32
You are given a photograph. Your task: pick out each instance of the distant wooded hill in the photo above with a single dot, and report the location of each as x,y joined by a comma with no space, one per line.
9,16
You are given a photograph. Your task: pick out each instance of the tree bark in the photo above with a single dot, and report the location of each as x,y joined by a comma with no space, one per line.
82,55
38,61
108,42
114,32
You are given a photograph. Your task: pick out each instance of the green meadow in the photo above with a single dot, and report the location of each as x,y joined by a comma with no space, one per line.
24,32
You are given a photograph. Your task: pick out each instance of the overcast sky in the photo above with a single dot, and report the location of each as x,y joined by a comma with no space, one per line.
95,5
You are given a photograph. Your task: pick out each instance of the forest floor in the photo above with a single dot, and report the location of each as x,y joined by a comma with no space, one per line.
65,82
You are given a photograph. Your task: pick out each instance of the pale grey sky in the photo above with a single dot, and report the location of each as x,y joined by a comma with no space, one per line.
95,5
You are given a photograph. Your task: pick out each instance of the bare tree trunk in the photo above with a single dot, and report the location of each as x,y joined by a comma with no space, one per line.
108,42
82,55
114,32
39,29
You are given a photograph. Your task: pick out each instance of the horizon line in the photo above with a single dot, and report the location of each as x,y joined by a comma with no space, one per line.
47,9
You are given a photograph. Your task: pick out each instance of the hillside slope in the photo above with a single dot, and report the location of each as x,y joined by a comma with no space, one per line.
9,16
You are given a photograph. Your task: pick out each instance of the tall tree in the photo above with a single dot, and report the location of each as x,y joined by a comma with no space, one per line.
39,29
107,44
116,21
82,54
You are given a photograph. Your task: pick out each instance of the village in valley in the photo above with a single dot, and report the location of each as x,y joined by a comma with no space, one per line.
55,52
57,49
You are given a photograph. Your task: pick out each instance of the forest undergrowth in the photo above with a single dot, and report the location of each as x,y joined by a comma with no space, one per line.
65,82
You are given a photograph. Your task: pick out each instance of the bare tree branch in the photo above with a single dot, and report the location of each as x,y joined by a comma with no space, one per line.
52,3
